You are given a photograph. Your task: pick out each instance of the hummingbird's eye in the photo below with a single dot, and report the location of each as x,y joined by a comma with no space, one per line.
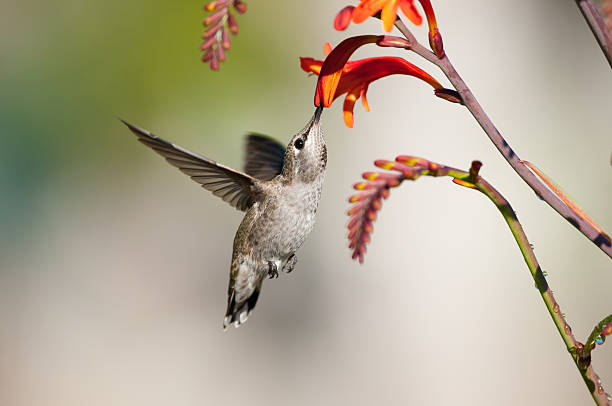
299,143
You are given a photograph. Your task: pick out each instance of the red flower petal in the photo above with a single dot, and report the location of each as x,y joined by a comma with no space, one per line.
429,13
367,8
370,69
435,39
364,100
338,75
349,103
411,12
327,48
389,14
311,65
332,67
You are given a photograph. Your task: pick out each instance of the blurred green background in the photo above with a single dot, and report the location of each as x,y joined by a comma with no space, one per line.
113,265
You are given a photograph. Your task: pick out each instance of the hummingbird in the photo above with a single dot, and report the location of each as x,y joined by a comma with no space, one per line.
279,191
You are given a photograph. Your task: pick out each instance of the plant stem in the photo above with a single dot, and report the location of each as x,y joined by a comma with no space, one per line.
588,374
600,239
598,27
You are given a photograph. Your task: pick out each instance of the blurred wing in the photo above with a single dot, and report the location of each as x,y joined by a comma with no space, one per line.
264,157
234,187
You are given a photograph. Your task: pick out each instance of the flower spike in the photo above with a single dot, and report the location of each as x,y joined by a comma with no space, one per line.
218,23
376,187
368,201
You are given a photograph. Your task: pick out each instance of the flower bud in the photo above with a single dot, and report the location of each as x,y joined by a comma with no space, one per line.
215,5
392,41
435,41
225,41
240,6
220,54
343,18
211,31
231,23
214,62
207,55
452,96
214,17
208,43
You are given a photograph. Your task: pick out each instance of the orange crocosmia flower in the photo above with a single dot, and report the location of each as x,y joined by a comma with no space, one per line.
329,76
357,75
388,9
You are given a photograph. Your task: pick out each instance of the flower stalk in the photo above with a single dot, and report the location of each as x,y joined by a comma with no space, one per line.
600,239
219,22
598,27
411,168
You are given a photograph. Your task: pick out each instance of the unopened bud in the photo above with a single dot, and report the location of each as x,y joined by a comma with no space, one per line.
215,5
225,41
240,6
391,41
211,31
343,18
452,96
208,43
220,54
214,62
207,56
414,161
435,41
214,17
231,23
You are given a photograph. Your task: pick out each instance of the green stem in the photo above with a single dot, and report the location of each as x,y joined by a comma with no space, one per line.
573,346
588,375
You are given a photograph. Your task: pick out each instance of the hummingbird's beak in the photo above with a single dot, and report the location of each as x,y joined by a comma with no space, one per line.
314,123
317,115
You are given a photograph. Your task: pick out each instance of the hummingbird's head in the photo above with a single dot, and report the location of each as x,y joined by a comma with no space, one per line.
306,154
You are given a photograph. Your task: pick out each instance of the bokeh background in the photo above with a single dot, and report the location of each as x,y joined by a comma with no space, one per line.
113,265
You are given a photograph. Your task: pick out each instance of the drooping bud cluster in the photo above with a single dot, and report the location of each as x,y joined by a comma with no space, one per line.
218,23
376,187
364,210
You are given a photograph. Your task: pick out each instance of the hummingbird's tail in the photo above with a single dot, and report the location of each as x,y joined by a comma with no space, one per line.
238,312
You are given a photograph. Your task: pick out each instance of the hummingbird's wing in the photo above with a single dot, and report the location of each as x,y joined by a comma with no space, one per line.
264,157
234,187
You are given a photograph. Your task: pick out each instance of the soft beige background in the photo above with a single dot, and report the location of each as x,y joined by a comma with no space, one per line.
114,265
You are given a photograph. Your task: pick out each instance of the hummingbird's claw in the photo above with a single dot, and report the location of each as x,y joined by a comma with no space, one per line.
290,265
272,270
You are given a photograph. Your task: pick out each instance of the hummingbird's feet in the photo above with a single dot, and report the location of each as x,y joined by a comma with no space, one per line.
272,270
290,265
